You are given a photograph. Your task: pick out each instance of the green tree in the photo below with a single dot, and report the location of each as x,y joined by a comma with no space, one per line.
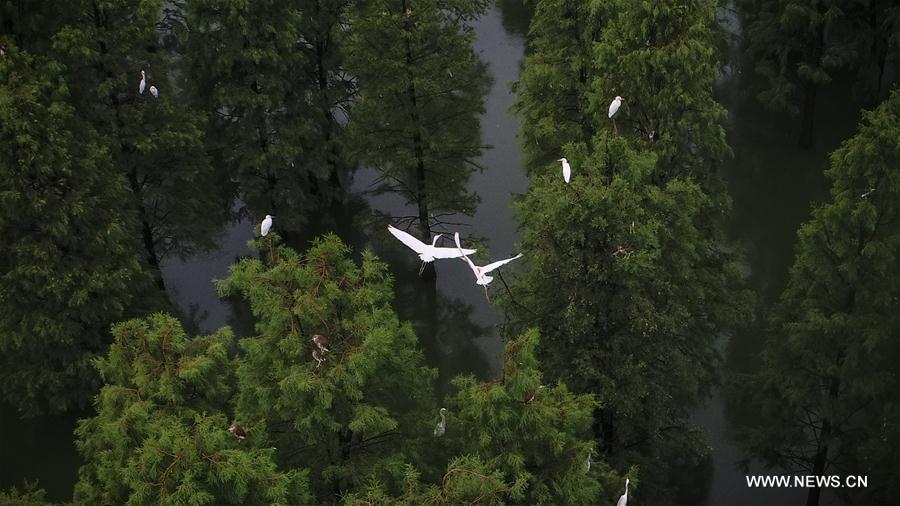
797,47
511,441
160,434
157,144
629,291
362,410
67,267
269,75
30,495
415,117
662,58
553,88
827,388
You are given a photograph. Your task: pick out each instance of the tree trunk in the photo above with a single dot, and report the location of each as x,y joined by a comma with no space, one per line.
812,498
421,197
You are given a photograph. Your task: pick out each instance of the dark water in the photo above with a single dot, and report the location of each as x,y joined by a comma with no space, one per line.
771,181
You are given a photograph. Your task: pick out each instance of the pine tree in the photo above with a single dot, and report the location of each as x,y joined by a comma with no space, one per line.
156,143
161,436
828,388
629,294
415,117
67,267
350,408
555,83
270,75
30,495
661,57
511,441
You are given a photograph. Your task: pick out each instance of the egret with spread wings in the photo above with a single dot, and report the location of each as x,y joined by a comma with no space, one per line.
481,277
428,252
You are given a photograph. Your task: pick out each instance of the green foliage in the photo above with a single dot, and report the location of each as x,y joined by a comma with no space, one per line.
415,118
553,88
661,57
631,316
827,389
157,144
159,436
270,76
537,435
67,267
361,411
30,495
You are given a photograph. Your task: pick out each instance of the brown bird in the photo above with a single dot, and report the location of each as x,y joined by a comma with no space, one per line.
238,431
318,357
321,342
529,396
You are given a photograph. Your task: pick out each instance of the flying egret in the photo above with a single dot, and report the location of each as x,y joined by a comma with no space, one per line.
567,169
428,253
481,277
321,342
154,92
614,106
866,195
143,84
623,499
318,357
266,225
238,431
441,427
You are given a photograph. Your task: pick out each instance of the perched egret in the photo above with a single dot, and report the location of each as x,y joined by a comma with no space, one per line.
321,342
238,431
614,106
481,277
441,427
428,253
266,225
530,395
567,169
154,92
632,227
318,357
587,462
143,85
623,499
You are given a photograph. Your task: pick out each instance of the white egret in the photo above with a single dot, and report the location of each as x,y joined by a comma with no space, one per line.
614,106
321,342
143,85
428,253
530,395
623,499
441,427
587,462
567,169
318,357
481,277
266,225
866,195
238,431
154,92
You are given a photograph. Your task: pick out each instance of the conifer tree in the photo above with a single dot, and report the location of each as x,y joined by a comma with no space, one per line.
828,387
350,408
156,143
420,92
629,294
554,86
161,435
67,265
270,76
661,57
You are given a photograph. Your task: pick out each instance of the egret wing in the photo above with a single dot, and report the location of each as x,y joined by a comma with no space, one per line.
410,241
451,252
489,267
567,172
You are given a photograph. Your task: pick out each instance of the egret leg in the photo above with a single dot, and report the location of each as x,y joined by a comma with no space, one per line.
422,269
615,128
486,294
